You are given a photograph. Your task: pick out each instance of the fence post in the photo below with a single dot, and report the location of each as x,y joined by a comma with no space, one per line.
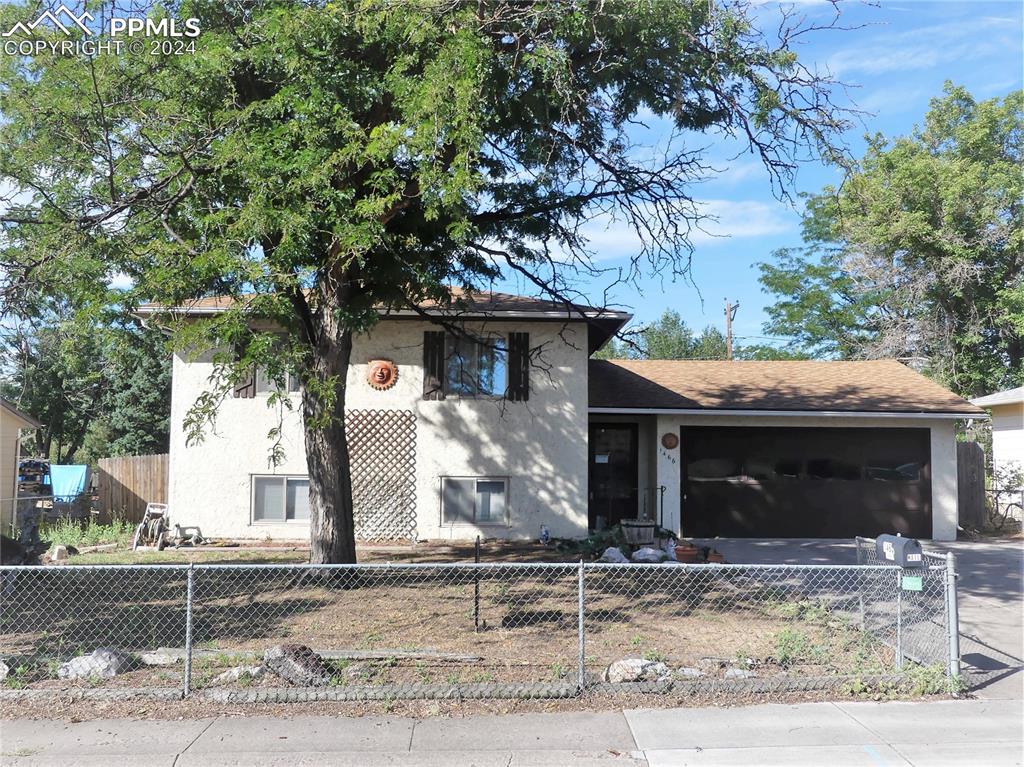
860,583
476,586
581,679
952,617
899,619
187,683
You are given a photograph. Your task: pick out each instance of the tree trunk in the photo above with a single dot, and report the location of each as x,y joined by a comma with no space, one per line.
331,524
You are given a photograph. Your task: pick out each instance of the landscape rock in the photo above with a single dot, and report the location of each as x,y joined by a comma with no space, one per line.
297,664
689,673
612,554
4,670
162,656
104,662
356,672
712,664
636,670
739,673
59,554
649,555
236,673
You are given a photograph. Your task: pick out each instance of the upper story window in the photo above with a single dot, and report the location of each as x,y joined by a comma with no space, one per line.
265,384
476,367
464,365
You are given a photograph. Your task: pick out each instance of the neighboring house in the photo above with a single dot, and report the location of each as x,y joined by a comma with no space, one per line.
12,421
1007,409
524,430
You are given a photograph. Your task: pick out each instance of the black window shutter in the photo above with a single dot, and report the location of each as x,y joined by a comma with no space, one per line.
433,364
519,367
246,388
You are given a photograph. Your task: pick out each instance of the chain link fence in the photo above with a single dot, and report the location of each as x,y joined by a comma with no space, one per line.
924,626
390,631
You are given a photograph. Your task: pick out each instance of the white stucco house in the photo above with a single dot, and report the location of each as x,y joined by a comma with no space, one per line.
1007,409
451,437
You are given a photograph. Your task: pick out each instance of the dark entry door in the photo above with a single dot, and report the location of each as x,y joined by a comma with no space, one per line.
762,482
613,473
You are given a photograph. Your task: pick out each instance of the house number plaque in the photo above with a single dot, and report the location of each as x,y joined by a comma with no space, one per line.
382,374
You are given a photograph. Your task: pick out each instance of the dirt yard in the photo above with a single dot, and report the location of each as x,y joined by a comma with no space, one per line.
436,626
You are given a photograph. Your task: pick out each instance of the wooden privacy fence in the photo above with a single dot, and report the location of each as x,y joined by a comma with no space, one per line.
125,485
970,477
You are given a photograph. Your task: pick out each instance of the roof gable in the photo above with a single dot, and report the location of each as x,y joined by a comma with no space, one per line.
24,419
1007,397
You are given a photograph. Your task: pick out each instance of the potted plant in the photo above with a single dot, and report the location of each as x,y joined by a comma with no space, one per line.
687,552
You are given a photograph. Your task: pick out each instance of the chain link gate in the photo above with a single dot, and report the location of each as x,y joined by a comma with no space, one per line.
546,630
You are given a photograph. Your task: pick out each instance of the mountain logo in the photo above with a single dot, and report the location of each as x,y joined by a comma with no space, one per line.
70,20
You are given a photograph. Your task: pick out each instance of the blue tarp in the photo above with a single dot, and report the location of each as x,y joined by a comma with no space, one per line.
68,482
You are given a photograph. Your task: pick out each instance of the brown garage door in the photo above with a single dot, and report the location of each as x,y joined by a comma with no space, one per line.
805,483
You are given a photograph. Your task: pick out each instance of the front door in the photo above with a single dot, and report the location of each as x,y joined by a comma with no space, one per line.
613,474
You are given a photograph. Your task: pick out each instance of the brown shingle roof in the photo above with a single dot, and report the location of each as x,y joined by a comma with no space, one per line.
884,386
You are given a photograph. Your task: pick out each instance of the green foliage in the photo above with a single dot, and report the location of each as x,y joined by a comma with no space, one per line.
56,376
138,393
793,645
917,681
69,532
99,388
918,255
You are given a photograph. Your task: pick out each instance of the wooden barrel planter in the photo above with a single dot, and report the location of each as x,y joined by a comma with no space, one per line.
638,532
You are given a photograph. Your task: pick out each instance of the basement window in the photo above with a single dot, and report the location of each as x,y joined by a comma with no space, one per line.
280,499
474,500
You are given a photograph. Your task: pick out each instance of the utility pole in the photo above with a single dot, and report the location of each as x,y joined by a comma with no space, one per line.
730,315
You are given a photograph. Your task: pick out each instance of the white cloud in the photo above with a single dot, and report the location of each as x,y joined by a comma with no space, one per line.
725,221
925,47
892,100
739,219
738,171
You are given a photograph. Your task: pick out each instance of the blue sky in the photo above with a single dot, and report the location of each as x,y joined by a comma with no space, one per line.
894,64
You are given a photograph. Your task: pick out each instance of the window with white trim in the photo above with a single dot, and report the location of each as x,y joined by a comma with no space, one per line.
265,384
280,499
474,500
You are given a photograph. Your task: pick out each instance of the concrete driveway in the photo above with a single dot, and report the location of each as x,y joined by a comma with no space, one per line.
990,587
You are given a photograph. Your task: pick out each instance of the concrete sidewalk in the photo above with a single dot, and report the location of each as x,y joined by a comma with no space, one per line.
838,734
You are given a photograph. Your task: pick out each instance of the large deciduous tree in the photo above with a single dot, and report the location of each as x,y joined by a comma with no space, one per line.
920,253
319,161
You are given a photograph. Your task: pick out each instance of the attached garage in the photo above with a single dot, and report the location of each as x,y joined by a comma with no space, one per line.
781,449
751,482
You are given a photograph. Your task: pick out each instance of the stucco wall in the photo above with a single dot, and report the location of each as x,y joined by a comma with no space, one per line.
1008,434
943,458
8,467
540,445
